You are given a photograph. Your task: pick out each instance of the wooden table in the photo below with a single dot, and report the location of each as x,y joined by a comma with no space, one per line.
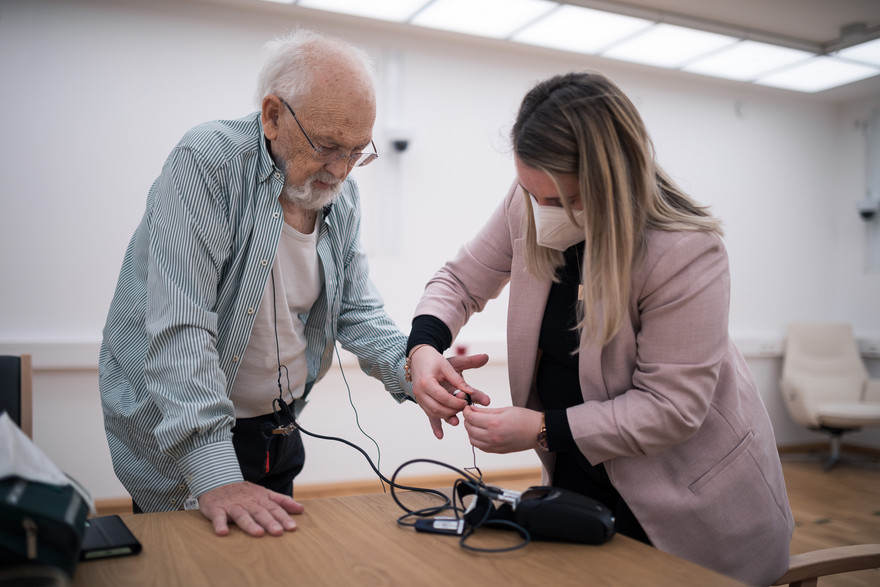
353,541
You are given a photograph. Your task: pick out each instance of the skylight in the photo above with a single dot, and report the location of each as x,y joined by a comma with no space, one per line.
635,37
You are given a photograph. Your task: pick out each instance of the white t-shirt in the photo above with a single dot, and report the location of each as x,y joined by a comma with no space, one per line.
298,278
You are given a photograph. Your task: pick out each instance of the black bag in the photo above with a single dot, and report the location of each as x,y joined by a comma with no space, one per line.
41,524
556,514
546,513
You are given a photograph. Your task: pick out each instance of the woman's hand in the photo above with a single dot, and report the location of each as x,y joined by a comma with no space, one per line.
439,386
502,430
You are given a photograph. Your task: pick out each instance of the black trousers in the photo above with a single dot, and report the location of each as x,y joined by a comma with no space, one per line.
269,460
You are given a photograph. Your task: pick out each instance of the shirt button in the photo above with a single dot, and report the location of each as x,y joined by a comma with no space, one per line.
264,262
250,311
182,487
235,359
277,175
276,215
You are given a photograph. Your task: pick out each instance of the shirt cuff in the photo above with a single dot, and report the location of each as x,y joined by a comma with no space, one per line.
209,467
404,384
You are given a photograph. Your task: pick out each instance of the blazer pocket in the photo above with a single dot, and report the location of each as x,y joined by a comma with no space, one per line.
723,463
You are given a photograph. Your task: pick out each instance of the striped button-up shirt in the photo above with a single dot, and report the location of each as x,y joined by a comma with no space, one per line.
191,281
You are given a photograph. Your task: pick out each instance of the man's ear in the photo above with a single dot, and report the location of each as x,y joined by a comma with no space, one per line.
270,115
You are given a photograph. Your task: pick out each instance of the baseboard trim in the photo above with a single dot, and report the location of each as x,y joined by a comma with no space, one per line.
824,447
530,476
305,492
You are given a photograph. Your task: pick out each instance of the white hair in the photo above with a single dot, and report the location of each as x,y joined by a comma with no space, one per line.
292,60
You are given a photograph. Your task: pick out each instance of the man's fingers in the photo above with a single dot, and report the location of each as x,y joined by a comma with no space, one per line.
290,505
267,520
240,517
221,527
460,363
441,403
437,427
455,379
281,509
479,397
245,521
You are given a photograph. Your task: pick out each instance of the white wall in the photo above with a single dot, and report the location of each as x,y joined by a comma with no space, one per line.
95,93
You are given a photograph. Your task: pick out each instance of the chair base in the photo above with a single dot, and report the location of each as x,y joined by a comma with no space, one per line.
834,456
829,461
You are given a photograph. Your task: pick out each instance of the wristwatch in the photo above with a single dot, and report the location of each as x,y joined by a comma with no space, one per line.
542,435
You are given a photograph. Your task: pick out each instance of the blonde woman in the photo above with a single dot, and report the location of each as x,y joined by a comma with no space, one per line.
622,372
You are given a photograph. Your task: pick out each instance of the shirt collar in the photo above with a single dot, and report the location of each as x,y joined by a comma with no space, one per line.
266,164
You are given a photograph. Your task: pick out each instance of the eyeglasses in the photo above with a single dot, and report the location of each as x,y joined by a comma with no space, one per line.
328,156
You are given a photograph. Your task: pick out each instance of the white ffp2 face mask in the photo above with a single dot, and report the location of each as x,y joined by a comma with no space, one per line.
553,227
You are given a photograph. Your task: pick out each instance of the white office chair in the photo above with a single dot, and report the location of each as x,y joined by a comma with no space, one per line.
825,385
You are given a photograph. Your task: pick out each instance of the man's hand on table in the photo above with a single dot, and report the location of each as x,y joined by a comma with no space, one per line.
254,509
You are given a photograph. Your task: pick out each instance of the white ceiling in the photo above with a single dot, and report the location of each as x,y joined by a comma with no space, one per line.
815,22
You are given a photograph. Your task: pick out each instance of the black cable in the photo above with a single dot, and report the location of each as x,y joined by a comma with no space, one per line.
279,405
450,504
280,399
519,530
357,419
369,460
485,521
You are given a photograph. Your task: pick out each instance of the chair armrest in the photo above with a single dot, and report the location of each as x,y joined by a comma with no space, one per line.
830,561
794,399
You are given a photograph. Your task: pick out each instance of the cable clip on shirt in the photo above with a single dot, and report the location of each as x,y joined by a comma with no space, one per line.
285,430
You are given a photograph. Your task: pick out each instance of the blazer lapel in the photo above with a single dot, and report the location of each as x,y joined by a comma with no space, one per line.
528,297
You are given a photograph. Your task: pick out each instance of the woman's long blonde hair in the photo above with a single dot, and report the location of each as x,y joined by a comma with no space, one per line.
583,124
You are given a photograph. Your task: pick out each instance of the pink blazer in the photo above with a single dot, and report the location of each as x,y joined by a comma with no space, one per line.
670,406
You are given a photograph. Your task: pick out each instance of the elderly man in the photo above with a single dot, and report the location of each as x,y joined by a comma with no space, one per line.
244,271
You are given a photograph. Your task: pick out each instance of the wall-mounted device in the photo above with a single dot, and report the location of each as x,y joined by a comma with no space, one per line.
870,205
868,208
399,139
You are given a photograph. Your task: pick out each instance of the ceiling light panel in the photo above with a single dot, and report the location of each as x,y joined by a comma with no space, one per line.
666,45
746,60
865,52
581,30
817,74
394,10
498,19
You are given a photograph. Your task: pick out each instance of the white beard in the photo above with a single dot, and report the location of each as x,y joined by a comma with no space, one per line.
309,197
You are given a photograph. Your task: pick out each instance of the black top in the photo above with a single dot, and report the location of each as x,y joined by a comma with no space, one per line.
557,376
558,382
